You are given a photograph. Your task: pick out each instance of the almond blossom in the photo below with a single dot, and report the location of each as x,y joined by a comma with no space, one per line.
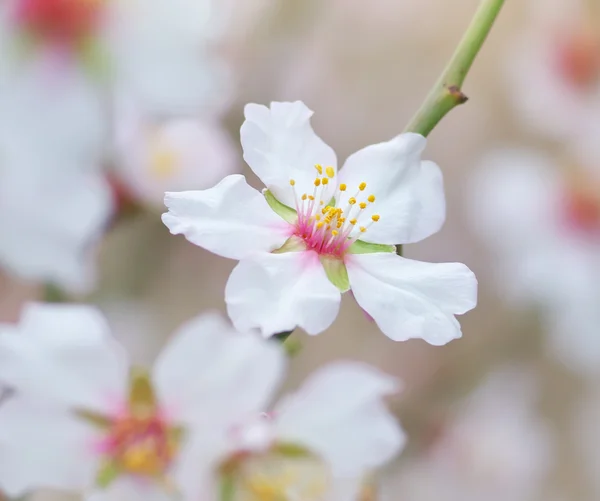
542,219
554,69
315,233
320,442
80,418
494,446
154,156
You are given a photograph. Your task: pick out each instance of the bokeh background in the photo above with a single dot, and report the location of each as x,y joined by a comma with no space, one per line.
494,415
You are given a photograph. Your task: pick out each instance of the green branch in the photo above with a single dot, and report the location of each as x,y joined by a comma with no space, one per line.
447,92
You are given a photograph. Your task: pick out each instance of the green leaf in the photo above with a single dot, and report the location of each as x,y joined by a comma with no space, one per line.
286,213
360,247
336,272
292,244
107,474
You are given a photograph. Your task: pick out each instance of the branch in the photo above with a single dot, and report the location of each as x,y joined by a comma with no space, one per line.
447,92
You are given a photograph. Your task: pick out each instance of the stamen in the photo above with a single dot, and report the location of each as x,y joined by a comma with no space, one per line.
304,196
371,198
352,222
362,205
319,168
292,182
375,217
362,229
352,201
342,187
362,186
330,172
325,181
318,181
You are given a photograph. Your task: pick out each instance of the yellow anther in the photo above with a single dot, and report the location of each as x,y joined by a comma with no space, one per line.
352,222
325,181
339,223
342,187
318,181
292,182
342,219
371,198
321,202
352,201
375,217
310,197
319,168
304,196
362,186
318,217
362,229
335,233
323,210
362,205
330,172
320,224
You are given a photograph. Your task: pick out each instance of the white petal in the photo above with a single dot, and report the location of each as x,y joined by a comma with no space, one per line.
280,144
410,299
232,219
178,154
52,222
42,447
209,370
409,193
64,354
128,489
279,292
161,57
339,413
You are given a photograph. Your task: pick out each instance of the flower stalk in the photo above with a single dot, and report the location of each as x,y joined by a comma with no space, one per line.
447,92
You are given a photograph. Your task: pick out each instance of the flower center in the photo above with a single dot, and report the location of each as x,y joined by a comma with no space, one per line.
325,227
141,445
66,22
582,210
163,162
578,59
276,476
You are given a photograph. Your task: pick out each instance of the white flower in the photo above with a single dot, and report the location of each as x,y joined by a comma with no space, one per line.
495,447
318,443
52,218
554,70
80,418
156,156
542,220
316,233
152,51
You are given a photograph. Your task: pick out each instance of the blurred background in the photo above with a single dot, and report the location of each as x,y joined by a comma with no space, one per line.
511,410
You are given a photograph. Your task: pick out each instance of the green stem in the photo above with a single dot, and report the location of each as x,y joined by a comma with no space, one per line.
447,92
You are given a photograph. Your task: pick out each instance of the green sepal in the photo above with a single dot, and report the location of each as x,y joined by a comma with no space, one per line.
95,419
360,247
286,213
107,474
292,244
291,450
142,399
336,272
227,487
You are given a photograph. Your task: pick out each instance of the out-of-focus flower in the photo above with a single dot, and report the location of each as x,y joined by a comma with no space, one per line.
586,436
542,219
495,448
156,156
80,418
52,218
318,443
554,69
315,233
152,51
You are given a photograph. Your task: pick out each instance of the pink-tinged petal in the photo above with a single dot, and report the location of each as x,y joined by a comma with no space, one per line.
339,413
43,447
231,219
279,292
411,299
280,144
64,355
409,193
209,375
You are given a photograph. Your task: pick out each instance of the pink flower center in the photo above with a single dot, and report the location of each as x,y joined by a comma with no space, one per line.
326,228
64,22
578,59
140,445
582,211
